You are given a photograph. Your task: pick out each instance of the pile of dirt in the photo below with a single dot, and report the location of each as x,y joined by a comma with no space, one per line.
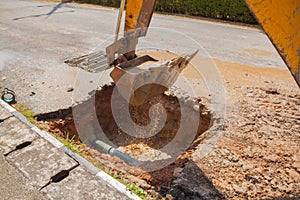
257,155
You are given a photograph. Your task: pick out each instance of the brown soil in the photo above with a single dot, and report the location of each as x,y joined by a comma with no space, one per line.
134,146
255,157
257,154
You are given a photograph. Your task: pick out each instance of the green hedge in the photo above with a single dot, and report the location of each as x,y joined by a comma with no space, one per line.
110,3
233,10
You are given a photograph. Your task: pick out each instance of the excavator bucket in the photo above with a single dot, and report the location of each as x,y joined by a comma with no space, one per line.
149,79
137,19
137,78
281,22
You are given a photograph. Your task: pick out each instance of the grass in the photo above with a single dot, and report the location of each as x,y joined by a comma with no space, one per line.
73,144
27,112
76,146
137,190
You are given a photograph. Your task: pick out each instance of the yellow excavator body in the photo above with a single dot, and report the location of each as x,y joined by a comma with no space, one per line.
279,19
281,22
133,9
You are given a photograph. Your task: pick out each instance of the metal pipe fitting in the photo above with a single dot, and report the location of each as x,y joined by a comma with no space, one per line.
114,152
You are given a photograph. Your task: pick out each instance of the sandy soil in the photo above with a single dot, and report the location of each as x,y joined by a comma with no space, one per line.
256,156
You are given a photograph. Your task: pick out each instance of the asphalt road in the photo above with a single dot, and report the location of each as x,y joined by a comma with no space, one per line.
36,37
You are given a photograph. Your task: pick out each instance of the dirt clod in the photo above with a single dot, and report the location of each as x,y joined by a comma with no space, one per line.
70,89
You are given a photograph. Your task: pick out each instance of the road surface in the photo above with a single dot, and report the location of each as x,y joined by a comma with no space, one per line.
36,37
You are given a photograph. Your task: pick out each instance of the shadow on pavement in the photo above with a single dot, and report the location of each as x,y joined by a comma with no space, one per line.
53,11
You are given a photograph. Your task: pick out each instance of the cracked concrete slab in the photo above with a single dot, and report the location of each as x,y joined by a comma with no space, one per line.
4,114
13,184
89,187
40,161
13,132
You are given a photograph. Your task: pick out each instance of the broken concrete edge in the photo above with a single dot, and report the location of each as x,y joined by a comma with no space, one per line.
82,161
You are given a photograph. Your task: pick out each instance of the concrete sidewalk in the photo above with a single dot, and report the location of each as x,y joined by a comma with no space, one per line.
29,160
13,185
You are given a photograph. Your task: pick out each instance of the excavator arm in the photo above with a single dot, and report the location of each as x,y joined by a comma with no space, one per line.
280,21
137,20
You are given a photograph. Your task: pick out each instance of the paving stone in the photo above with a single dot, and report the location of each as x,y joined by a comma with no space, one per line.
13,132
82,185
40,161
13,185
4,114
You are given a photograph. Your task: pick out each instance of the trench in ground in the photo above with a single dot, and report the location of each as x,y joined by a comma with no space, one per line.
61,123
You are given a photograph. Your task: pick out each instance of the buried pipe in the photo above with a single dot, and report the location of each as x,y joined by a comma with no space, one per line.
114,152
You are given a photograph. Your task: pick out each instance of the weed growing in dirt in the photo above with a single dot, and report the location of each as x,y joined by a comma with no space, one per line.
137,190
27,112
71,143
76,146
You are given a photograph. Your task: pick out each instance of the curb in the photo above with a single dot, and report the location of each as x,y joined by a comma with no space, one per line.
82,161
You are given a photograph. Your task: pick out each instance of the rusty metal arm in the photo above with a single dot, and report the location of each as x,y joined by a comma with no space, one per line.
137,20
122,6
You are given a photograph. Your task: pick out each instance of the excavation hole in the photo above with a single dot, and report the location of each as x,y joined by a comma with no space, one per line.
61,123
